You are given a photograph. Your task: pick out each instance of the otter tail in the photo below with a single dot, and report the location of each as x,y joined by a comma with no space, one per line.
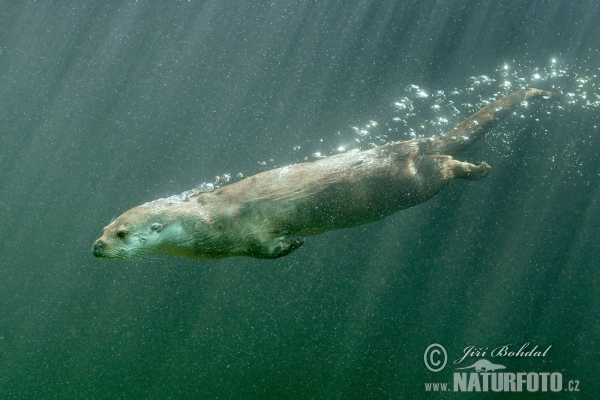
460,138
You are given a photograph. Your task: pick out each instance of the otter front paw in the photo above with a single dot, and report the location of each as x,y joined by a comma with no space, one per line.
287,248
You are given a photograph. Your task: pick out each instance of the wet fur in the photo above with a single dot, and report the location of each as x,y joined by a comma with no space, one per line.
256,216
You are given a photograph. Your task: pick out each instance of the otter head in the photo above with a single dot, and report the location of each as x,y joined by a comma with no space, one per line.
140,231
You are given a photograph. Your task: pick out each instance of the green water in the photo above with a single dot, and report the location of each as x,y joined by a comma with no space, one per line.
106,105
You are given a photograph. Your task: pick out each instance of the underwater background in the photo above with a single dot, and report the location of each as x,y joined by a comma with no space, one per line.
107,105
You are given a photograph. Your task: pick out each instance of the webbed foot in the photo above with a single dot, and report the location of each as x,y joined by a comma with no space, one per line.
455,169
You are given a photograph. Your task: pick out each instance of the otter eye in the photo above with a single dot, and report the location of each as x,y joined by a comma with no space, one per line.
121,234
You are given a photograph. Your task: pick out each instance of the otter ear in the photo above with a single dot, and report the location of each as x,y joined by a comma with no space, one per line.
156,227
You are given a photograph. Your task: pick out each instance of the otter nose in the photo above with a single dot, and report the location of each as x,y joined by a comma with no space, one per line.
98,248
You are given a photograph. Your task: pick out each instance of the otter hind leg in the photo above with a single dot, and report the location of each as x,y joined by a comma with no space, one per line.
454,169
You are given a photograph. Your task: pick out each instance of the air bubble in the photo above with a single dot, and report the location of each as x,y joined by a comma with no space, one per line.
421,118
207,187
404,104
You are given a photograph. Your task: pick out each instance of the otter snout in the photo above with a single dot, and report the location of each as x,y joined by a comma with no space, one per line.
98,248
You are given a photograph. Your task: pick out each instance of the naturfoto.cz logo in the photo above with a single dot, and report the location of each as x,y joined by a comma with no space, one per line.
486,376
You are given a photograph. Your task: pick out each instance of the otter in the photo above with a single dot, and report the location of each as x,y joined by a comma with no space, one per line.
266,215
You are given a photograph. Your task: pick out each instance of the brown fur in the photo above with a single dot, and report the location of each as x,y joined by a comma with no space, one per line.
254,217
